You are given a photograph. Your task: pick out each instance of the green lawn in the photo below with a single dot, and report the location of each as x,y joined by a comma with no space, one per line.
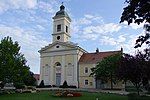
47,95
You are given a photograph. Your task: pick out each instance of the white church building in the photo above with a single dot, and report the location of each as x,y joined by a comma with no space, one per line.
64,60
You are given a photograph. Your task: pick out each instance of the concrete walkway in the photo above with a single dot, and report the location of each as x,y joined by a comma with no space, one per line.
121,92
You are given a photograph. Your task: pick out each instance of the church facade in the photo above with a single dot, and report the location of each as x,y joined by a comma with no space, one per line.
63,60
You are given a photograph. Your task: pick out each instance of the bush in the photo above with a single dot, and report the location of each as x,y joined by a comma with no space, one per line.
54,86
2,84
41,84
72,86
46,86
19,85
65,85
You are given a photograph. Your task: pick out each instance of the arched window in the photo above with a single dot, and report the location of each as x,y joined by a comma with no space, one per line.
58,64
58,67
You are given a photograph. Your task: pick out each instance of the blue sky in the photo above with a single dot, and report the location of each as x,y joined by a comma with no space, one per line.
95,24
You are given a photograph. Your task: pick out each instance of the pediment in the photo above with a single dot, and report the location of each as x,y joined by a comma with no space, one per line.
57,46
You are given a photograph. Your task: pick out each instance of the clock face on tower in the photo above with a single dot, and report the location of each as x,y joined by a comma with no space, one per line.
58,37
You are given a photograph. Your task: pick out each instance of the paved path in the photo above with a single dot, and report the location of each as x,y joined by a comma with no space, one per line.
121,92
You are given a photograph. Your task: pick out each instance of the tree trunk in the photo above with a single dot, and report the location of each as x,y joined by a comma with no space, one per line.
125,84
111,81
137,87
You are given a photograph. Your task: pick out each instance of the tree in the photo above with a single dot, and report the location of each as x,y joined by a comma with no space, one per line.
134,68
107,69
138,11
13,66
30,80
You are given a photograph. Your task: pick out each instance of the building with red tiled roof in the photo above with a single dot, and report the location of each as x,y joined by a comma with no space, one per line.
96,57
88,61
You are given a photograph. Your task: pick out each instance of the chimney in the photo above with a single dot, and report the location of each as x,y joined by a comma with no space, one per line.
97,50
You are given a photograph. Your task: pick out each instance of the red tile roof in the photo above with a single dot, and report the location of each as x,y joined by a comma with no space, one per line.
96,57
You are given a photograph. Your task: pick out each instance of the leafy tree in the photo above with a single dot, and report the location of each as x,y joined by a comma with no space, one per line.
107,69
13,66
138,11
30,80
134,68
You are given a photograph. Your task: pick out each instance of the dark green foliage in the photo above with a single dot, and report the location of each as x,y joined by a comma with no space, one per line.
138,11
30,80
135,69
107,69
45,86
41,84
2,84
72,86
65,85
13,66
143,38
19,85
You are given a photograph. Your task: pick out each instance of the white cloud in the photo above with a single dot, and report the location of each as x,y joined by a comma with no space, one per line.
93,32
89,16
128,45
106,28
85,21
47,7
133,25
17,4
121,38
136,26
40,27
105,40
30,42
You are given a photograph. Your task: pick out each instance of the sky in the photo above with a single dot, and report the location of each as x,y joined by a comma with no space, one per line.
95,24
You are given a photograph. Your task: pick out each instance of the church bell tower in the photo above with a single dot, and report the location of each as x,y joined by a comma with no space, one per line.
61,28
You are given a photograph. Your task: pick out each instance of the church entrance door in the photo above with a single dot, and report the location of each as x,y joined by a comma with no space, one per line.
58,79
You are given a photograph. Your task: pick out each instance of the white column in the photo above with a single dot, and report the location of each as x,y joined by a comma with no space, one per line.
62,70
75,69
51,71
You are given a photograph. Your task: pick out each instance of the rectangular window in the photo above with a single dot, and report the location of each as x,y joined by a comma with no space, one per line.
86,82
86,70
58,27
67,29
91,83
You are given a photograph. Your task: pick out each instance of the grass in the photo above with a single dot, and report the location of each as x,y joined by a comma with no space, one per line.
133,90
47,95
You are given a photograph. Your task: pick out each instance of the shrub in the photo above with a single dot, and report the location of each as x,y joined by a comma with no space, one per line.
65,85
45,86
2,84
41,84
19,85
54,86
72,86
